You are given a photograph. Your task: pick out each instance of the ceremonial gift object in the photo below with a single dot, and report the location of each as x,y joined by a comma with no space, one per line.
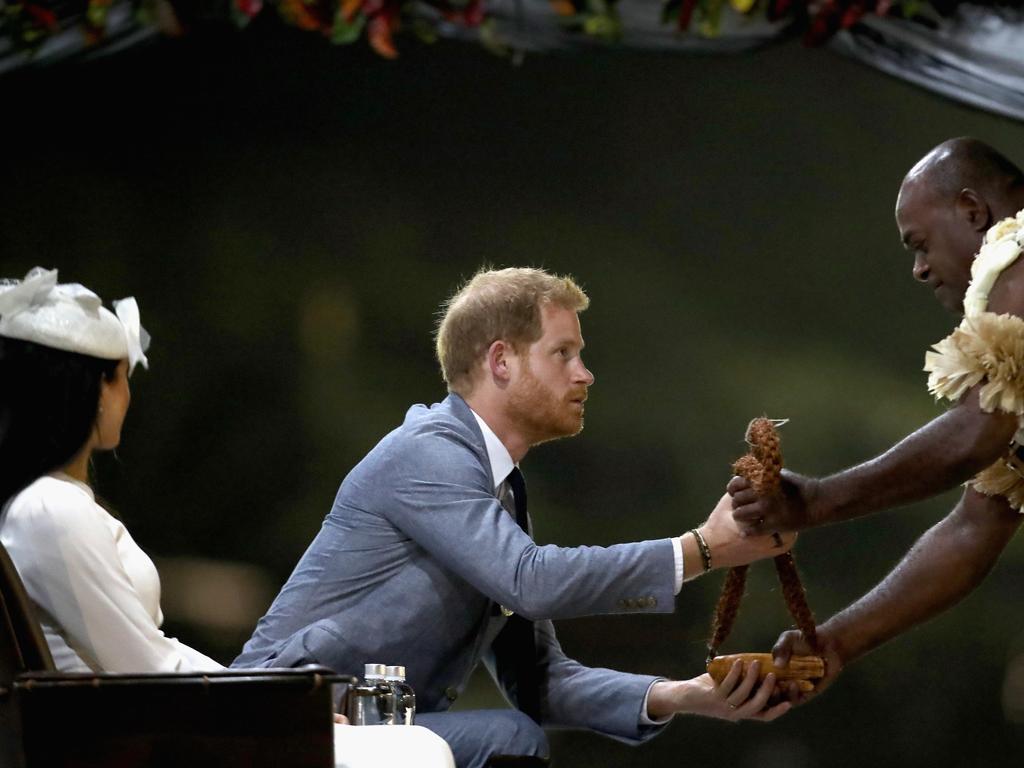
761,468
72,318
802,669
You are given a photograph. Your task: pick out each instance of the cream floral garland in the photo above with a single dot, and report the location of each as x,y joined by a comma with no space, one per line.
1003,243
988,347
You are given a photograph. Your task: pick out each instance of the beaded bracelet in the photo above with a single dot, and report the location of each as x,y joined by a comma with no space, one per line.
705,551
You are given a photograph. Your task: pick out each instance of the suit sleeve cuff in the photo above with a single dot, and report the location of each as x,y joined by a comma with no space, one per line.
645,720
677,554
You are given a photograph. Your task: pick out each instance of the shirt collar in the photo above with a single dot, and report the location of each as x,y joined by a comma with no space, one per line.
497,453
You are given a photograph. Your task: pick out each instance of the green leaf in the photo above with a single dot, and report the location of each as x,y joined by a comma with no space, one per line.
491,40
711,23
911,8
344,31
604,27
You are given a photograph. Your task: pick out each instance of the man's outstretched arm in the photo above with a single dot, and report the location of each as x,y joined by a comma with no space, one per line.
947,451
943,567
942,454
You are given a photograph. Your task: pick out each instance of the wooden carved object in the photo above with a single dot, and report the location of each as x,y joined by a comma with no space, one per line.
761,467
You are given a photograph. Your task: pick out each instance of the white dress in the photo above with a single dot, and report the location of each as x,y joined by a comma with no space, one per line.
97,596
96,592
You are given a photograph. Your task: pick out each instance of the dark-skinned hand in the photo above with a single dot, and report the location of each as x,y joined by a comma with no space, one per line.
788,510
792,643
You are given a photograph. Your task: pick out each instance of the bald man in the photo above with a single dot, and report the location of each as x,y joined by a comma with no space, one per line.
947,203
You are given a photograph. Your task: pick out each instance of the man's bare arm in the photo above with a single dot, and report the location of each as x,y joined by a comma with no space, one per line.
942,454
943,567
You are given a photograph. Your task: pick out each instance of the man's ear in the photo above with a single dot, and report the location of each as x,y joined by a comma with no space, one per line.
972,208
498,363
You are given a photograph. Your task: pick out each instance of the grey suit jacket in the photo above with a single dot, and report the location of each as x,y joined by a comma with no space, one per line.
414,554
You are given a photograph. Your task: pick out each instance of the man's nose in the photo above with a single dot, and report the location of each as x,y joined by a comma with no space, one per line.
921,270
583,374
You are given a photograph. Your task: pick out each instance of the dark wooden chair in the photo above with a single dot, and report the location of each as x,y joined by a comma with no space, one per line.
231,718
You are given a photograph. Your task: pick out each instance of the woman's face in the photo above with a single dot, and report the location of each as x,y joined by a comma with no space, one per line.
114,399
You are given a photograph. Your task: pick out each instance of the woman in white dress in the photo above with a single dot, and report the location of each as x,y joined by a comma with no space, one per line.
65,362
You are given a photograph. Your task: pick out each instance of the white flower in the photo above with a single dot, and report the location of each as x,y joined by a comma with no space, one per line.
1002,245
1005,229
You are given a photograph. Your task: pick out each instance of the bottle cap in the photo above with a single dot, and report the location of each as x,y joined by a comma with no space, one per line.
373,671
396,672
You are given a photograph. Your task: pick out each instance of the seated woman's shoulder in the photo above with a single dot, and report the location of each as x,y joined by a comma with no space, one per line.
50,497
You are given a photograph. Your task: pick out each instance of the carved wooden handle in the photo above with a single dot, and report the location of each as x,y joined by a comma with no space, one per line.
802,669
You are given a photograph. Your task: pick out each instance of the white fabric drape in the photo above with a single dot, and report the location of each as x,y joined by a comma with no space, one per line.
975,57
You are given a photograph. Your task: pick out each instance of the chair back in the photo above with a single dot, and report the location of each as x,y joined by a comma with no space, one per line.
22,644
22,649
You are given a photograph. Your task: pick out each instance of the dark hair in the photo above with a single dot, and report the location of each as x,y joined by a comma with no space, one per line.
48,404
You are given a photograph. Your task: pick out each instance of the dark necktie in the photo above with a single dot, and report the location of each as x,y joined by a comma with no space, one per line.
519,629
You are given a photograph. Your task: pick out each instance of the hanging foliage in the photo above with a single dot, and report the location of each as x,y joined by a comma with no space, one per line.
29,24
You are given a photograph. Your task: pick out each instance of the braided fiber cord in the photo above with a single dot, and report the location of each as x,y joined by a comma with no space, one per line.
796,597
727,608
761,468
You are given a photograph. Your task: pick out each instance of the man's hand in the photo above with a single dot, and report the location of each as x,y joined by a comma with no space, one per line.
792,643
728,544
739,697
788,510
939,456
945,564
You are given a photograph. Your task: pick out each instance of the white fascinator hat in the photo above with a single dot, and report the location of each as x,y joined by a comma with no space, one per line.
71,317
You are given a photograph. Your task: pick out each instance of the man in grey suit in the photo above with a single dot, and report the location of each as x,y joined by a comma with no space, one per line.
426,558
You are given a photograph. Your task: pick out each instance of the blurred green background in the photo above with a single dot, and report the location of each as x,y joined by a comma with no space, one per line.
290,215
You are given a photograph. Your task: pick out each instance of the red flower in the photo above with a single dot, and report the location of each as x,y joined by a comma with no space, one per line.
44,17
473,15
249,7
686,14
824,25
852,16
349,9
778,8
380,32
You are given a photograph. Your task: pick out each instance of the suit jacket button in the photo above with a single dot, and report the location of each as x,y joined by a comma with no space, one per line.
451,692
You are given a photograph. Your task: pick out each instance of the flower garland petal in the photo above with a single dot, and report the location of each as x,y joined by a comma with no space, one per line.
1002,245
986,347
1004,478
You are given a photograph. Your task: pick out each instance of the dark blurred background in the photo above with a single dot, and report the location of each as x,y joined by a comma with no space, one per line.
291,214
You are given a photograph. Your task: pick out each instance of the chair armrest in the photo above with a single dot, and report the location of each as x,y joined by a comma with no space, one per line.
312,675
